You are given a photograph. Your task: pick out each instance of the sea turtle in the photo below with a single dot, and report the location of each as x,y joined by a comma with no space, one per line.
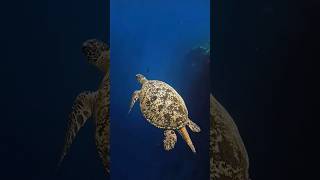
93,104
163,107
228,156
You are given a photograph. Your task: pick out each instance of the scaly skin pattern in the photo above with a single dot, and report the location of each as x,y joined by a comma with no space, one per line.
102,122
169,140
228,156
162,106
81,112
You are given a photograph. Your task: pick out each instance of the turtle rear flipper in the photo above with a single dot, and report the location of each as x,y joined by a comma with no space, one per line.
193,126
170,139
81,112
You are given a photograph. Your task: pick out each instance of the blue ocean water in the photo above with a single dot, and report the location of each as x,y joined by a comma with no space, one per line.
153,38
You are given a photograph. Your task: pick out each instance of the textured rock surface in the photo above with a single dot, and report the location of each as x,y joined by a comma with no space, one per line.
228,156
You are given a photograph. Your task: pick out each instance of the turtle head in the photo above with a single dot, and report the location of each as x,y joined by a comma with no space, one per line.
141,79
97,53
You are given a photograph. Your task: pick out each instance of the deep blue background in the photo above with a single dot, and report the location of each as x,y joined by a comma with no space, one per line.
153,38
264,73
42,71
249,58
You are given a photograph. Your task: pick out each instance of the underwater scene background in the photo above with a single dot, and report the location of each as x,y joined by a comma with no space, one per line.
155,38
263,72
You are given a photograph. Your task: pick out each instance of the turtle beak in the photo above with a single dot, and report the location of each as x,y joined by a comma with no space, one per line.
138,76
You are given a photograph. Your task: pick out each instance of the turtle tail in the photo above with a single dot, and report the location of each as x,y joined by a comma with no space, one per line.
185,135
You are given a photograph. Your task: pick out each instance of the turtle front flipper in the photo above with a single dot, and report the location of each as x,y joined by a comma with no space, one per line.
193,126
185,135
134,98
170,139
81,111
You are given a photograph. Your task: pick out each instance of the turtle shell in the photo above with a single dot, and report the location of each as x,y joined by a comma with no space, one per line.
162,106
